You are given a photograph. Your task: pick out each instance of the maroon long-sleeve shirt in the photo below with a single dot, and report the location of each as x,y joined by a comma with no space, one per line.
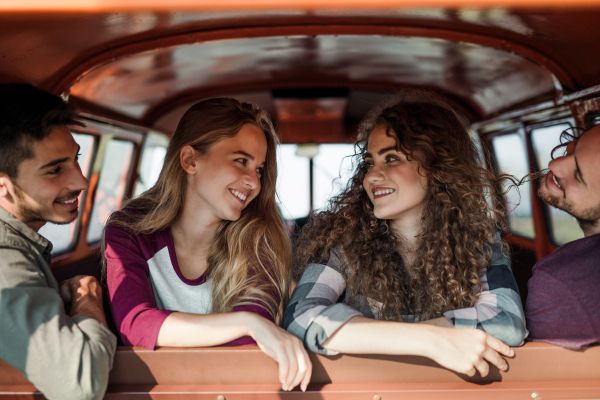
145,285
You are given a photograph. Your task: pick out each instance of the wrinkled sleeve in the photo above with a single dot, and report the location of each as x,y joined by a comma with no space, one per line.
313,313
132,303
550,317
64,358
498,311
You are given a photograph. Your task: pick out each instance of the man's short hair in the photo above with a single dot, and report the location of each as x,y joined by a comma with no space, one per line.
28,114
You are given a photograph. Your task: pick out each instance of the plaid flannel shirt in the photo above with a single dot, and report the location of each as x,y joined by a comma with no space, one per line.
317,309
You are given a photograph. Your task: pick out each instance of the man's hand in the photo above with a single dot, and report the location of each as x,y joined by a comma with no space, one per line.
85,296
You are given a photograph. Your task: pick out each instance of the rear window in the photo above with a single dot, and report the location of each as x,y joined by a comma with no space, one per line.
331,169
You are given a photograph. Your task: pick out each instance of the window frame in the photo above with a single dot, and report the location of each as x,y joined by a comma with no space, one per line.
104,130
104,141
521,132
543,242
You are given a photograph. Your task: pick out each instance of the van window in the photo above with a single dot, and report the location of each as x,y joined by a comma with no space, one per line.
63,237
111,185
332,168
563,227
293,182
153,157
511,156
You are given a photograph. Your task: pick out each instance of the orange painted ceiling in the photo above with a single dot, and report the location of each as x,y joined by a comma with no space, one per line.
147,66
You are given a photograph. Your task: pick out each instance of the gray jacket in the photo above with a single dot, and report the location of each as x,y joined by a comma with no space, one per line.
64,358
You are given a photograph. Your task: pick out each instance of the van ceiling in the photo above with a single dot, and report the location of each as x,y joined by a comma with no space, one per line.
146,67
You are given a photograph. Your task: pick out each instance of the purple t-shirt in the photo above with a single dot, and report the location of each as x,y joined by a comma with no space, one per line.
145,285
563,304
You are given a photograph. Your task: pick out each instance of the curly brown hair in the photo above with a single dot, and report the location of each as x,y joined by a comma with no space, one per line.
461,219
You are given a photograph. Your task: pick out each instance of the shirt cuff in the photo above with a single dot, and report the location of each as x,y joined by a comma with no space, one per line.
99,334
326,324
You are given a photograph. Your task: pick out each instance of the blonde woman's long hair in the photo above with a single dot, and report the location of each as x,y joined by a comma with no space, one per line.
250,259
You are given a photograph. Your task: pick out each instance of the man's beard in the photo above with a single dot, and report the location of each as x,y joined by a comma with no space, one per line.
35,214
587,219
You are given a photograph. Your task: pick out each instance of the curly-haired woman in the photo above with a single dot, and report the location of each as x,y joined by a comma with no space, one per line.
203,258
413,238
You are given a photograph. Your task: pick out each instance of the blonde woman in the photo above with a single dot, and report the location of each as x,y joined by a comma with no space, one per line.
203,257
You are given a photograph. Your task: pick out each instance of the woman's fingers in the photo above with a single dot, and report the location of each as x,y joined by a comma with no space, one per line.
494,358
294,364
482,366
473,350
293,367
304,366
284,366
307,374
499,346
301,363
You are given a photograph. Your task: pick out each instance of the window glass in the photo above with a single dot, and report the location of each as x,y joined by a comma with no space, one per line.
563,227
111,185
153,157
293,182
63,236
511,155
332,168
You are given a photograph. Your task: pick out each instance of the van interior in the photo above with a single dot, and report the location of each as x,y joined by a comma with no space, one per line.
521,71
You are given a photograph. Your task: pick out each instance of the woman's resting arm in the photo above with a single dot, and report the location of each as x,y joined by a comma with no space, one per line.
140,322
462,350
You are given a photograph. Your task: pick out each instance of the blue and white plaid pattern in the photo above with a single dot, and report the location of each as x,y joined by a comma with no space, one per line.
316,309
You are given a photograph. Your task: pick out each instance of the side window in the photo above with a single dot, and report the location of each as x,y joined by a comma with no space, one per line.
511,155
563,227
111,185
153,157
63,237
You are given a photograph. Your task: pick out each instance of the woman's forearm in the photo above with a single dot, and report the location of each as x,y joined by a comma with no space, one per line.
196,330
362,335
199,330
463,350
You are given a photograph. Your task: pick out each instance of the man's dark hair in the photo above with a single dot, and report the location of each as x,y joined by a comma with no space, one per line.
28,114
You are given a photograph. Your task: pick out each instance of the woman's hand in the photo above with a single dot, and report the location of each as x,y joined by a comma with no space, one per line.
469,350
294,365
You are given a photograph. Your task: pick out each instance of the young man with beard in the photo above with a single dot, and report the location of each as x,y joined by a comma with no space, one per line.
66,356
564,292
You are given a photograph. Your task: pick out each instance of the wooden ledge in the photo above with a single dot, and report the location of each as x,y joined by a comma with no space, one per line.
539,369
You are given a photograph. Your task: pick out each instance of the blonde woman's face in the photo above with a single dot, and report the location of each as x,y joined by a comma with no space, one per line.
227,179
393,183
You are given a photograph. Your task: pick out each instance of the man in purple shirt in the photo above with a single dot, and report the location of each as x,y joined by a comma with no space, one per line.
563,305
